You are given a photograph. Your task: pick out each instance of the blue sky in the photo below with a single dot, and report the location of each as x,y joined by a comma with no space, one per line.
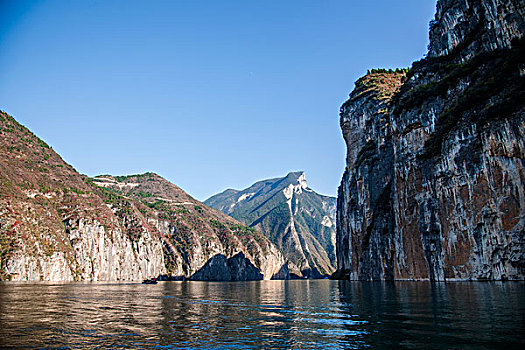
209,94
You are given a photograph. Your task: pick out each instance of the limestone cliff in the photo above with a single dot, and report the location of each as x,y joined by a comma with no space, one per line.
195,237
434,183
57,225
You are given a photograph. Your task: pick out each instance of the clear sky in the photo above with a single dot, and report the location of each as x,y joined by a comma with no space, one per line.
209,94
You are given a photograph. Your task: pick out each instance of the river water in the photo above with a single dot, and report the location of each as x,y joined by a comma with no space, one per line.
316,314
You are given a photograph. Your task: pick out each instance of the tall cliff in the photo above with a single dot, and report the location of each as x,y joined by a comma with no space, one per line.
298,220
58,225
434,182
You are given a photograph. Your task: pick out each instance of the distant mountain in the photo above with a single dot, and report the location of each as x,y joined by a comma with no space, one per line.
58,225
298,220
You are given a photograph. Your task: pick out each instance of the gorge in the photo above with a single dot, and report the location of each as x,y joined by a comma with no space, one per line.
433,187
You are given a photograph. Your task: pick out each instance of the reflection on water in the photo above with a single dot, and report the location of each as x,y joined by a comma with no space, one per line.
263,314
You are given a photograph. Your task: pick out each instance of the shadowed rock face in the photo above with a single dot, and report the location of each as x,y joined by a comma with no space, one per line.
434,182
296,219
220,268
58,225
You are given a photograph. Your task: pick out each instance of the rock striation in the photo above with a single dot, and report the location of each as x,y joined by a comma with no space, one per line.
58,225
296,219
434,182
193,234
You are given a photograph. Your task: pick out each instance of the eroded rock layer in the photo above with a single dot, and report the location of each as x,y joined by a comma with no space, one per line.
434,183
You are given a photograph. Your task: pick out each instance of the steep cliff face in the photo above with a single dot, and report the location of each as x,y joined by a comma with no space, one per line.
470,27
364,216
298,220
434,184
57,225
54,226
195,237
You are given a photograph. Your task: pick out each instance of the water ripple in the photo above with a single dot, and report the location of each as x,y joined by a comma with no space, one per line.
267,314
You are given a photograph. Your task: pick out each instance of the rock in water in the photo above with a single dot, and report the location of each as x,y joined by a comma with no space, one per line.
298,220
434,182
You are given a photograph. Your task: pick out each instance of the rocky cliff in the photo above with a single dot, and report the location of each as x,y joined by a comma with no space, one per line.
298,220
195,237
434,182
57,225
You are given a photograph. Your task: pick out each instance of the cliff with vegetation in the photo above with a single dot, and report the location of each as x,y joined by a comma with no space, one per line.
434,180
58,225
294,217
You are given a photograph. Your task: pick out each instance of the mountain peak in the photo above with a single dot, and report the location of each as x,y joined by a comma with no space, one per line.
297,177
295,174
291,215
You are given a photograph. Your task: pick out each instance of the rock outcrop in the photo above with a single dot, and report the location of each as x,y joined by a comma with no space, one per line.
236,268
434,183
296,219
58,225
193,234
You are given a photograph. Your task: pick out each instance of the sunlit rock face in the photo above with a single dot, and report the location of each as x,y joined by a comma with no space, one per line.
434,180
58,225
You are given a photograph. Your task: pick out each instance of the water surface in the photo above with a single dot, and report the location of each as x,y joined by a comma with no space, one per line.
267,314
